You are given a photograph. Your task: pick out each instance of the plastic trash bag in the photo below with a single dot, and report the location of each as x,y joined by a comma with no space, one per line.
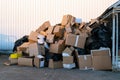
20,42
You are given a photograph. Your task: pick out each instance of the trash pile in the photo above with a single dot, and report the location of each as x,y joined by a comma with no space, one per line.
69,44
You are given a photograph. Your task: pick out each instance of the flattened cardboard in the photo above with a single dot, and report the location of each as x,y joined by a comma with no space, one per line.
68,60
22,61
55,64
85,62
33,36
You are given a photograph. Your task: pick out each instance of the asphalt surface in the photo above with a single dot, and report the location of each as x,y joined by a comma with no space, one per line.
16,72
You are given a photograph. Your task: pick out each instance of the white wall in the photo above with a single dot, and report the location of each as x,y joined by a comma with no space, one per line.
20,17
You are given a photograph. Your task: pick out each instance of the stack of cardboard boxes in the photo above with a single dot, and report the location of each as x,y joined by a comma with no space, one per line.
62,39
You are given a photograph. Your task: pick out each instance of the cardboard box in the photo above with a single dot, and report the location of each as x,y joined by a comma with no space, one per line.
80,41
68,29
50,30
43,33
43,27
101,52
33,49
57,48
89,29
33,36
39,62
73,20
101,59
13,61
70,39
68,60
50,38
24,47
67,52
55,64
82,25
69,66
41,49
58,31
102,63
85,62
24,61
36,49
75,40
65,20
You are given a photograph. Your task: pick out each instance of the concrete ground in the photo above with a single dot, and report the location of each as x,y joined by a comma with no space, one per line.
15,72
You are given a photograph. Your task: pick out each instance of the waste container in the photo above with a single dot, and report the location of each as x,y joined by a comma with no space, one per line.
6,43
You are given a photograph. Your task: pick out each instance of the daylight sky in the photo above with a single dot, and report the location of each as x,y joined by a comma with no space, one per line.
20,17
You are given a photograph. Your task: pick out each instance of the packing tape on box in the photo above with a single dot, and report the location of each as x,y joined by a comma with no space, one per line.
65,54
77,38
85,57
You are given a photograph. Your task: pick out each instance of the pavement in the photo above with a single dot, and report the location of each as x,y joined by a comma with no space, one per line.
16,72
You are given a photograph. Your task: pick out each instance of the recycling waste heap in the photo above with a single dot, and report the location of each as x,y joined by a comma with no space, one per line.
69,44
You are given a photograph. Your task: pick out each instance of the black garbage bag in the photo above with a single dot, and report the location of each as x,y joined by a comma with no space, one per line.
101,33
81,51
55,57
20,42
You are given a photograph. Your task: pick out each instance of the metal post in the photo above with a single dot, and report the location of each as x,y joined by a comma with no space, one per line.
116,40
113,41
